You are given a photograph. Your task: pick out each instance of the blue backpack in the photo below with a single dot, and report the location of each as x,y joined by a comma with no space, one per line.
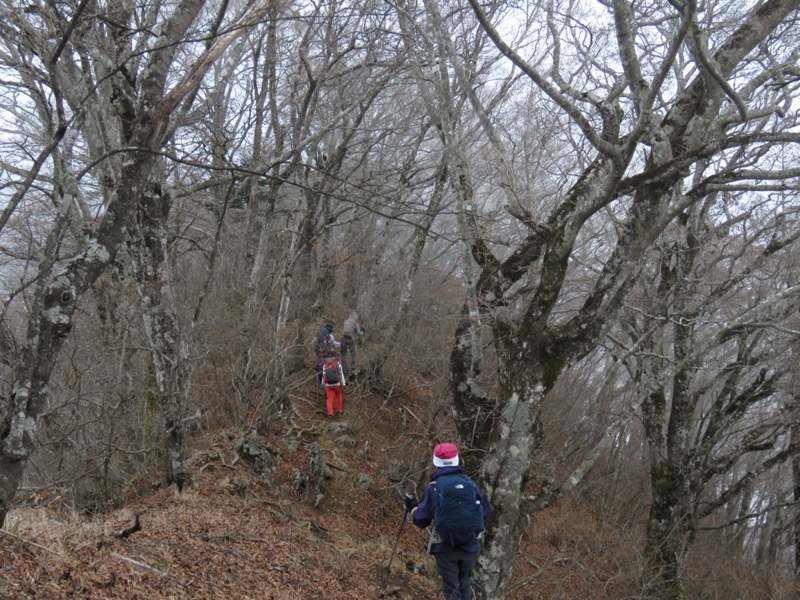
457,510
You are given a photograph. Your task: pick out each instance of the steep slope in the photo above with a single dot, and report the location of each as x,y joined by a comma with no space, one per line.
234,535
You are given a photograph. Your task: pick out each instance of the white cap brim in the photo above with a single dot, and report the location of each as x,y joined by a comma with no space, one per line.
445,462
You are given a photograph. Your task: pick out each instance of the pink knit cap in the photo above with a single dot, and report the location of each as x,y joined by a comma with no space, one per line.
445,455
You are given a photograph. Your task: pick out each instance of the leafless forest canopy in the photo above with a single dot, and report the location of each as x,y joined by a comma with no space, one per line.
571,227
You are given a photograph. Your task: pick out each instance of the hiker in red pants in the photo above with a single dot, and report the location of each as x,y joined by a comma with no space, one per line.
333,380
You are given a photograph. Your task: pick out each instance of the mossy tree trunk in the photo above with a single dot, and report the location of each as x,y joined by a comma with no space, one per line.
168,344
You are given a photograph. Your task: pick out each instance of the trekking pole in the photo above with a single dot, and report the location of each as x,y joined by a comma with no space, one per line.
402,522
409,502
430,541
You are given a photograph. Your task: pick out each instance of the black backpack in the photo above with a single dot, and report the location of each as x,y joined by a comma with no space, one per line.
457,510
323,338
330,371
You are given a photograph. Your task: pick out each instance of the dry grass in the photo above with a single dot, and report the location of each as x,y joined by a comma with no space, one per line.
232,536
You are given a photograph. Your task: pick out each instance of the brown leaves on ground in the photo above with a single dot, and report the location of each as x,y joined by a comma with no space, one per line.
230,535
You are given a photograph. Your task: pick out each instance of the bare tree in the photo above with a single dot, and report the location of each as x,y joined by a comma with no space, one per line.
642,135
61,283
721,420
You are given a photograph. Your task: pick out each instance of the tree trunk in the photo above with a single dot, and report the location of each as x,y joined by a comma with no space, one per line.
506,470
419,237
60,287
282,344
667,532
796,497
167,346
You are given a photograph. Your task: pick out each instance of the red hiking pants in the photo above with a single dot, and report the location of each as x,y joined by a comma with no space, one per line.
334,394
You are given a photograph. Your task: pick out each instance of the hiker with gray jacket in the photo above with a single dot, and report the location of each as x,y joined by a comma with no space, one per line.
350,331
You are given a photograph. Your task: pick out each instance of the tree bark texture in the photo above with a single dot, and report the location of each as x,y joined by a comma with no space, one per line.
167,344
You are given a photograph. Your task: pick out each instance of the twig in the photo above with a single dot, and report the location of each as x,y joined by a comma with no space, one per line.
16,537
130,530
211,539
217,464
408,410
338,468
141,565
228,550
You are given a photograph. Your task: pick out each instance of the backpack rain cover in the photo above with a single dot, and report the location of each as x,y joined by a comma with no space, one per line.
330,368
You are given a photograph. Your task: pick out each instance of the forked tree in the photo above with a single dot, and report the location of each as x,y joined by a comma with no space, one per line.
654,147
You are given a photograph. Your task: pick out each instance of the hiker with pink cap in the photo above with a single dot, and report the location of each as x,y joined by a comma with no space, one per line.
458,508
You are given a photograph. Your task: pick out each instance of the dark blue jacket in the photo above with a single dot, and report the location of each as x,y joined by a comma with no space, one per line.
423,514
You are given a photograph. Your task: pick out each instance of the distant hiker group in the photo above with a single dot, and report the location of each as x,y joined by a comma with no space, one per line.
329,370
458,508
